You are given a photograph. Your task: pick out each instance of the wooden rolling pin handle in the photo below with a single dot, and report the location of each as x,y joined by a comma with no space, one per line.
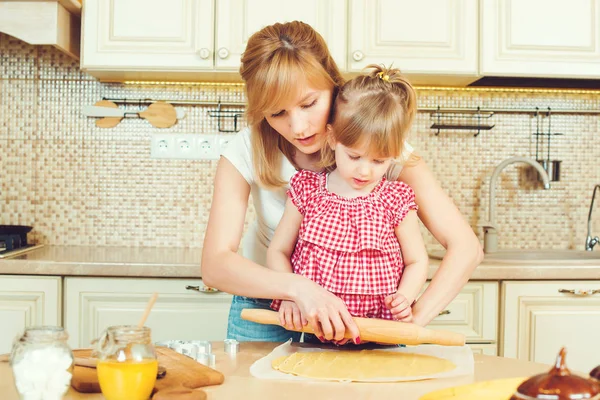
374,330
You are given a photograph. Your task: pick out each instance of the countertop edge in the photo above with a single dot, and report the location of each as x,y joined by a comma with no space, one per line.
97,261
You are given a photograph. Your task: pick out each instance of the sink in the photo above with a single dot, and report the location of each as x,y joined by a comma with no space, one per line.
516,256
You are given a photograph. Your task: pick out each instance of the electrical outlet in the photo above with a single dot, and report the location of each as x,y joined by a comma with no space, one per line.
188,146
207,147
162,145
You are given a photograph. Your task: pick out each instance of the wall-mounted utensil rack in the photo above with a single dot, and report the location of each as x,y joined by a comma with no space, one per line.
472,118
465,120
228,119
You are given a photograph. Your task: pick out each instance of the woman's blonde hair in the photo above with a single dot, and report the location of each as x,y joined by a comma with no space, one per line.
376,108
278,60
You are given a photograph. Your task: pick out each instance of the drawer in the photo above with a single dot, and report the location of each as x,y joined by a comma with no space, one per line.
474,313
484,349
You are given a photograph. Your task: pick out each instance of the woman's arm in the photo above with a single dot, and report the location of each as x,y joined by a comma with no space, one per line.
463,250
228,271
414,254
284,239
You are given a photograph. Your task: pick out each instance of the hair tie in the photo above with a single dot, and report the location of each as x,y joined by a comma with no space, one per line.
383,77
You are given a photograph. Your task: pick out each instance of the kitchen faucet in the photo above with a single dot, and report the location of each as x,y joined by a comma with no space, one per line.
590,242
490,234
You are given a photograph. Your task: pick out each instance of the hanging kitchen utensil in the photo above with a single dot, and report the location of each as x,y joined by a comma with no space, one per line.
104,111
108,122
552,167
159,114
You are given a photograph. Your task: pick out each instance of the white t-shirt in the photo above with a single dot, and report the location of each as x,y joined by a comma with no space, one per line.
269,204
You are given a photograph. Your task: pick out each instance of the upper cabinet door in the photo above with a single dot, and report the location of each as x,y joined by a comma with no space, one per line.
541,38
237,20
170,35
419,37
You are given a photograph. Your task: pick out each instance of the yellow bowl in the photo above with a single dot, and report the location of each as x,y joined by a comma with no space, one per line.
499,389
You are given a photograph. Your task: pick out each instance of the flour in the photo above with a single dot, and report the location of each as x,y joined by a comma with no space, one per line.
43,373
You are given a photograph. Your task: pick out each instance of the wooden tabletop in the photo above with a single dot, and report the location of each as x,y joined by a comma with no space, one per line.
239,384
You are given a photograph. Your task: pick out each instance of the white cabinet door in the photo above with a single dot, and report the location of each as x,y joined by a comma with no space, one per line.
540,38
237,20
93,304
538,320
174,35
419,37
27,301
474,312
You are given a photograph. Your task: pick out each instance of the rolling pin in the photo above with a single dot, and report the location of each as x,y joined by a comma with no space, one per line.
374,330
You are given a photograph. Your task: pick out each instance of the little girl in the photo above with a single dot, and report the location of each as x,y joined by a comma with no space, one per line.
349,228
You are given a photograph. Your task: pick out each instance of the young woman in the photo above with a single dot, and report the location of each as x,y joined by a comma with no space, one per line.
291,80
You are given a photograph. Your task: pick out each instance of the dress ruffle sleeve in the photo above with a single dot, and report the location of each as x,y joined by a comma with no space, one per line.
303,185
401,200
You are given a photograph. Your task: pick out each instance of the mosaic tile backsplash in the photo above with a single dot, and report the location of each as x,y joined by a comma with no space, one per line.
77,184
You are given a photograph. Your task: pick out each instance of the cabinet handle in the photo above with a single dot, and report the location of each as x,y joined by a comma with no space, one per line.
358,55
580,292
203,289
445,312
204,53
223,53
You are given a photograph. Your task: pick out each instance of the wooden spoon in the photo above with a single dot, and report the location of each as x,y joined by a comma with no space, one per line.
107,122
160,114
148,309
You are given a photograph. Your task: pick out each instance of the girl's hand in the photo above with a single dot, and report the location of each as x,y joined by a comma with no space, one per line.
326,313
399,306
290,316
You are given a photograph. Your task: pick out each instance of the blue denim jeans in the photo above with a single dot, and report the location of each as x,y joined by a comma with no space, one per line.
247,331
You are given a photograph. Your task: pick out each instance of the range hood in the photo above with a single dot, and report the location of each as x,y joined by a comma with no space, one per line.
48,22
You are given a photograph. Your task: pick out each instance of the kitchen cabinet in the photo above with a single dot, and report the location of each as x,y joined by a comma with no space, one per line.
541,317
237,20
429,37
180,38
473,312
27,301
540,38
132,35
93,304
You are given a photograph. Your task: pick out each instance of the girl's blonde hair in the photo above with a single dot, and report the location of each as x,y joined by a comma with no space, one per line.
279,61
377,107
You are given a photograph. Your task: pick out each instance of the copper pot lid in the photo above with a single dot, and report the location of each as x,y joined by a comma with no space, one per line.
558,384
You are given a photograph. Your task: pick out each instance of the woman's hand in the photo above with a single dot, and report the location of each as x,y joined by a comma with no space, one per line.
290,316
326,313
399,306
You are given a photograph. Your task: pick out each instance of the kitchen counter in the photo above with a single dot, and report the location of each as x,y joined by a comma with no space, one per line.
153,262
240,385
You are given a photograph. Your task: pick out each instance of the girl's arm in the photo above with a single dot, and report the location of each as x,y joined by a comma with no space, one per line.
284,240
414,254
463,250
226,270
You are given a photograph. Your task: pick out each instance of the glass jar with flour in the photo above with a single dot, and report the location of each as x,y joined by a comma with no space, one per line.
42,363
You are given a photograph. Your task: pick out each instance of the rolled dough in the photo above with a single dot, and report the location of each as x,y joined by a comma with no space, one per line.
348,365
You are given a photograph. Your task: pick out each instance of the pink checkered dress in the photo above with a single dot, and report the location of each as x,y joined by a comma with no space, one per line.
349,246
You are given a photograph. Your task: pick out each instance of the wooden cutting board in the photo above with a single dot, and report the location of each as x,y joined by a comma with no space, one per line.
182,373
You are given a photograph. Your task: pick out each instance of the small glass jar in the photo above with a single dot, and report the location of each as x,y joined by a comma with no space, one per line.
127,363
42,363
